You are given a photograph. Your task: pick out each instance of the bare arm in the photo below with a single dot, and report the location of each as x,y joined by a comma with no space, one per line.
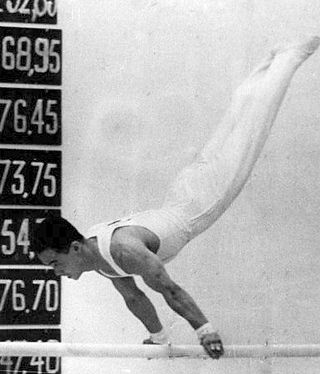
134,257
138,303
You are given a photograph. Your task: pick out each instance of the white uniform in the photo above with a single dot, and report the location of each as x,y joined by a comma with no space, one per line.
206,188
170,230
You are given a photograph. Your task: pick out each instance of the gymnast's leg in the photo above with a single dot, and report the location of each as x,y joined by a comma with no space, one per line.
206,188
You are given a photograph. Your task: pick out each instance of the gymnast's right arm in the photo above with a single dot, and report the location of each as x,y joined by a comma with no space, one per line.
139,304
134,257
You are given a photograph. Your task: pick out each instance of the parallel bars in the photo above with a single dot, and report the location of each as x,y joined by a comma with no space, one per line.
153,351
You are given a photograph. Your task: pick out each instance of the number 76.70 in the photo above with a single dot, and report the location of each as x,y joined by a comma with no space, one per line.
16,288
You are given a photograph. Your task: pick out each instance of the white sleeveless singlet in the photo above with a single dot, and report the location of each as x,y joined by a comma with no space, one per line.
170,230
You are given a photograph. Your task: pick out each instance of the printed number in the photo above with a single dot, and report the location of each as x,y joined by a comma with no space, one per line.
51,294
20,120
18,54
43,172
17,366
47,290
15,188
7,104
21,240
53,127
18,298
50,58
14,364
8,60
38,362
51,189
23,236
6,283
24,53
40,8
18,189
11,8
38,114
42,50
17,7
48,191
6,164
52,365
56,66
8,250
37,118
6,361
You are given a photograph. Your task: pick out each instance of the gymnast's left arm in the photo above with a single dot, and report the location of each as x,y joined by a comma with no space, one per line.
134,257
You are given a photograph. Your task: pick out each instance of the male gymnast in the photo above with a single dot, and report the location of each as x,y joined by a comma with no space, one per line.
142,243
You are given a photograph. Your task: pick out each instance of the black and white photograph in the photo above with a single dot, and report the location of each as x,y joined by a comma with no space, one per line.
159,177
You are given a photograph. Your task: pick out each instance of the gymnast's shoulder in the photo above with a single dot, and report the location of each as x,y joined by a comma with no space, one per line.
133,237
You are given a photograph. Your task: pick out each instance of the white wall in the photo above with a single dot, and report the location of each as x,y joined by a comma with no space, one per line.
145,81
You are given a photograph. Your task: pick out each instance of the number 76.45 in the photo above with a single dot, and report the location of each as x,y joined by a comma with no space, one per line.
43,172
43,110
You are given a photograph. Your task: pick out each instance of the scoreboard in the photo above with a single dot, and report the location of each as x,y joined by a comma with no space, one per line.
30,55
29,11
15,228
24,365
30,175
30,116
29,298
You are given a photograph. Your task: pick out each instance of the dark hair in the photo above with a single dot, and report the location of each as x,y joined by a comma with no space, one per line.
54,233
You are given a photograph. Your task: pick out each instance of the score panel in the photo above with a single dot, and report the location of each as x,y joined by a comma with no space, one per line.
16,226
30,116
30,177
30,55
30,365
29,11
29,297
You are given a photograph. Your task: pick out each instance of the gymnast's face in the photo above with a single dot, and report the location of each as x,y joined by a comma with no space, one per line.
64,264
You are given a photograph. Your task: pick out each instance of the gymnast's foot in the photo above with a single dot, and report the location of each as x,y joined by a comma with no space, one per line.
149,341
305,47
301,49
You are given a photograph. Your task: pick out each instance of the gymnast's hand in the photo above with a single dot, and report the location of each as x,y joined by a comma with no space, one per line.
149,341
212,343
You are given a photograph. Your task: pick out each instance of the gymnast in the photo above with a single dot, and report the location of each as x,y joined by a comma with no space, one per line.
141,244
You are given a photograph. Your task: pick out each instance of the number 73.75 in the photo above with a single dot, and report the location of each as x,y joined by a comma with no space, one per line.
18,184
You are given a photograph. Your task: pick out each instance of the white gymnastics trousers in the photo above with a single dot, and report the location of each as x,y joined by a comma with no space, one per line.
207,187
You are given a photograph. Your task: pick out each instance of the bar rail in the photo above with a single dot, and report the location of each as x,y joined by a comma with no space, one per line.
153,351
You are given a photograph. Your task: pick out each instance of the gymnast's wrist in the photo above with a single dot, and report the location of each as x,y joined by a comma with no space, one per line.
204,330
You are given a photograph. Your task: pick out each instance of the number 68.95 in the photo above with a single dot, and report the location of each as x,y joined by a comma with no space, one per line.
19,54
